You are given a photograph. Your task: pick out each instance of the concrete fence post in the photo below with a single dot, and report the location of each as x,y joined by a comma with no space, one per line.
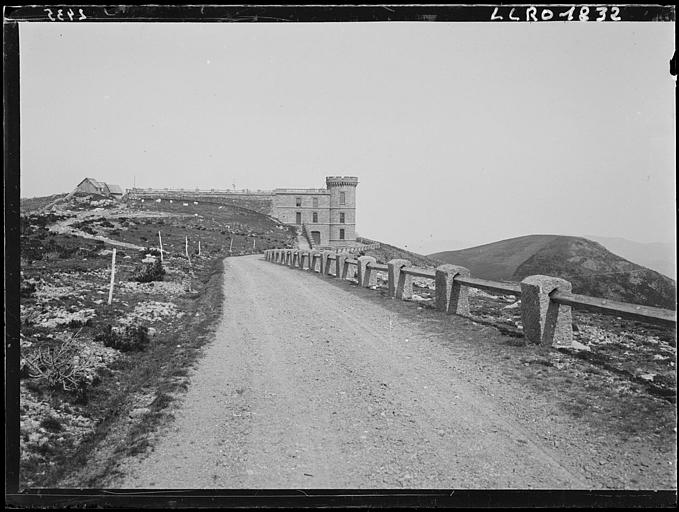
545,322
288,254
294,262
304,260
451,297
365,276
339,265
394,271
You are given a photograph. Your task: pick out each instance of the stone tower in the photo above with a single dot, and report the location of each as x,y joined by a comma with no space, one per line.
342,209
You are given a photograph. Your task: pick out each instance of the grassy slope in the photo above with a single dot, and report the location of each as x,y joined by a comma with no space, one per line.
595,271
147,379
388,252
32,204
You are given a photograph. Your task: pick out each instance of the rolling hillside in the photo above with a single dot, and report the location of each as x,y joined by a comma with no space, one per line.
658,256
591,268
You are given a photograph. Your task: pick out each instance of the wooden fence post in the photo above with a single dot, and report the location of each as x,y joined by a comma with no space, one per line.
113,274
160,240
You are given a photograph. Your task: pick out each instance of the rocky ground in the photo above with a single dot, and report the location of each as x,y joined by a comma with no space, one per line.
643,353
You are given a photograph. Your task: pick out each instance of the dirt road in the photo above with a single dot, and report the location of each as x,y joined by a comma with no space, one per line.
315,383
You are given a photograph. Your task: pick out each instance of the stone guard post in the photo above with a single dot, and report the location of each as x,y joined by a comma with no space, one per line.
302,257
339,265
451,297
293,258
366,277
345,272
545,322
324,262
314,261
404,287
394,271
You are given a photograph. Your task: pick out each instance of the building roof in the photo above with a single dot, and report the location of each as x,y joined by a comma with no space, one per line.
114,189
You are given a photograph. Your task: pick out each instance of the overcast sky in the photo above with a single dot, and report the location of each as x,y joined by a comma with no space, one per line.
471,132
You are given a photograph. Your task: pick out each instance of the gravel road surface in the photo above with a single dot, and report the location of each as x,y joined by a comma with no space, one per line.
315,383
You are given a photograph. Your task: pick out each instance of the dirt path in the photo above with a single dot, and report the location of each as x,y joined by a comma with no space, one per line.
312,384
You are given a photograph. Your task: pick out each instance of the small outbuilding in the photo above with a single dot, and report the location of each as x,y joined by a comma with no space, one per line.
115,190
92,186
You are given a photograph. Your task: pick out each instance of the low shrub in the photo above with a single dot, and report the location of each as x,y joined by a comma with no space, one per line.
133,338
52,424
149,272
60,366
26,290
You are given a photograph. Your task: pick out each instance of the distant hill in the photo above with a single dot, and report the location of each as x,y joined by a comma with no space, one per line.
657,256
431,245
589,266
497,260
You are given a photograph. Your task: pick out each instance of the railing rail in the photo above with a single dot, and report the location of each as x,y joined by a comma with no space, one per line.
419,272
378,267
491,286
541,325
626,310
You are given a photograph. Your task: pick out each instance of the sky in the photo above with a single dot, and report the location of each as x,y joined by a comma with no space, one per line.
460,133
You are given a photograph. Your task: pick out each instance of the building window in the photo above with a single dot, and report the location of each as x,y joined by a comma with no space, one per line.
315,202
341,218
343,199
298,201
315,217
341,234
298,217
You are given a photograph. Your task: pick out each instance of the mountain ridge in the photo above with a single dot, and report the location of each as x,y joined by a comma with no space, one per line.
588,265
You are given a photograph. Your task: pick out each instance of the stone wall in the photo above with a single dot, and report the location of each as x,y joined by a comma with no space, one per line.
261,202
